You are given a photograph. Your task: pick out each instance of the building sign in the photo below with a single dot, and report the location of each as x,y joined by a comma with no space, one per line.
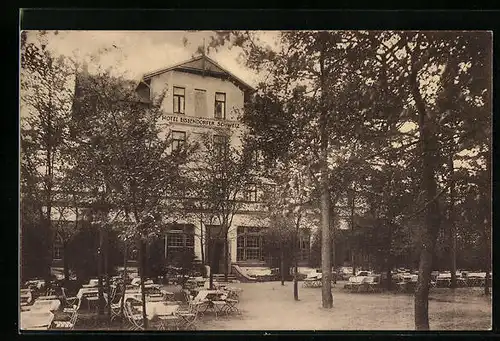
202,122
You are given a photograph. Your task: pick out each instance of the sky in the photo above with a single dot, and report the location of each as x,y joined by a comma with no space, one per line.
134,53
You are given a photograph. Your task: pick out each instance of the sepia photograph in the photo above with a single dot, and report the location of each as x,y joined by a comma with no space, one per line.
255,180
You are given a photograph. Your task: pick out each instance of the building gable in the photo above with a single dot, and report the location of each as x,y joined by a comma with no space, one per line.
202,65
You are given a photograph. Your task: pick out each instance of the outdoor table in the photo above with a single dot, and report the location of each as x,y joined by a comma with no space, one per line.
168,295
36,319
214,300
50,297
94,282
26,296
47,305
154,309
136,295
312,283
443,282
204,295
39,283
85,292
89,286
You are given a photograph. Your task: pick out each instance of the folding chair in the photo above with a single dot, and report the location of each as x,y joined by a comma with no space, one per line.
218,306
68,301
67,324
134,319
92,297
189,317
232,306
115,303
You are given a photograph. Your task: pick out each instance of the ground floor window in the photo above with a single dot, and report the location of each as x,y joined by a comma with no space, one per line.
180,241
304,246
249,244
58,247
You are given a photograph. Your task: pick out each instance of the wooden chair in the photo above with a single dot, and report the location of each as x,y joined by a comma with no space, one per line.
115,303
189,316
134,318
92,297
71,322
68,301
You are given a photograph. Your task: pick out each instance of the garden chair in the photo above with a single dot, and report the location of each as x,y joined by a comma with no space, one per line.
71,322
73,308
231,305
194,305
169,322
68,301
115,303
218,305
189,317
372,284
92,297
134,318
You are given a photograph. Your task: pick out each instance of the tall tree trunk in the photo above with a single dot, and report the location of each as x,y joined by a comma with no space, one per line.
124,276
106,271
202,242
432,217
226,257
142,263
282,264
326,292
65,263
212,256
353,258
296,259
48,182
452,239
99,273
49,255
296,280
389,276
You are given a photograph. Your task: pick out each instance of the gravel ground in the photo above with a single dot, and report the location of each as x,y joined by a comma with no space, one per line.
270,306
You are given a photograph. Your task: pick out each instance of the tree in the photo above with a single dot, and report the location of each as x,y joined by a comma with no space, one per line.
287,201
221,174
132,171
46,100
362,88
313,78
439,88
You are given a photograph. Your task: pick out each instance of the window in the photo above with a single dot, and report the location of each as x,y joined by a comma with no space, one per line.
133,254
179,100
250,193
304,246
178,139
220,143
180,239
220,105
57,247
249,244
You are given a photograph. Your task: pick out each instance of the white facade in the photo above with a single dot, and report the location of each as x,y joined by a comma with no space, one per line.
196,114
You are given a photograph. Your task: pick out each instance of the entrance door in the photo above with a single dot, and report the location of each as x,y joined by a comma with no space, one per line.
215,249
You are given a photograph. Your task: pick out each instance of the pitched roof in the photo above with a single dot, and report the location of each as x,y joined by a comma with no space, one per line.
200,64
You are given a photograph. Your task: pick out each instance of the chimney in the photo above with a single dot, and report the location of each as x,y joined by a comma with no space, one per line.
85,68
